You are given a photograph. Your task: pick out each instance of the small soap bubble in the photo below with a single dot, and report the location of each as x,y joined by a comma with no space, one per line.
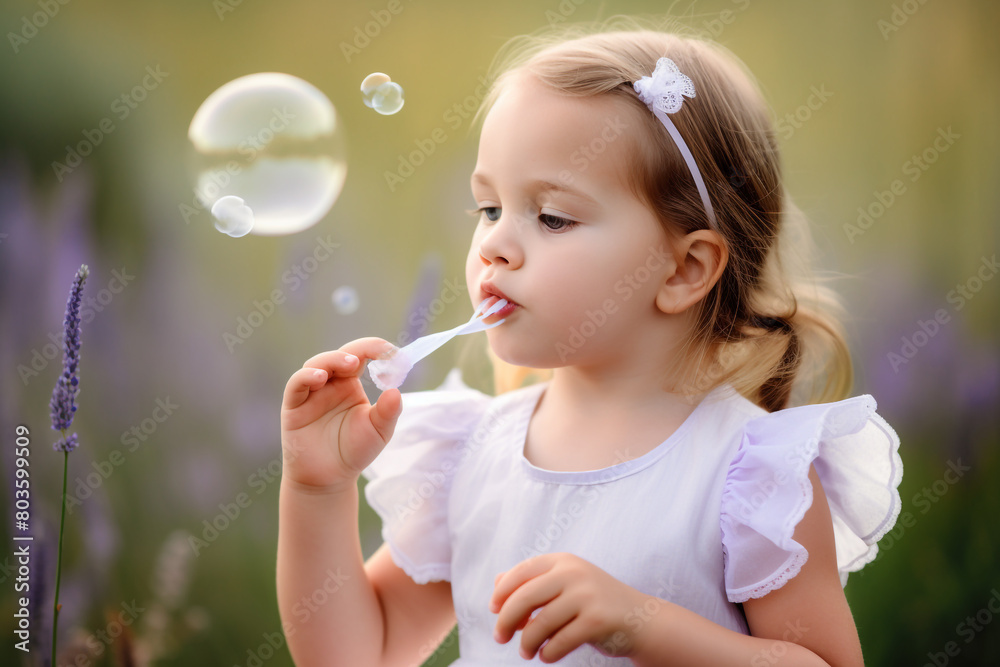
232,216
370,84
274,141
380,93
388,98
345,300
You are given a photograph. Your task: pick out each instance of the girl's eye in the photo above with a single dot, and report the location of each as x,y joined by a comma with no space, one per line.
492,213
555,223
552,222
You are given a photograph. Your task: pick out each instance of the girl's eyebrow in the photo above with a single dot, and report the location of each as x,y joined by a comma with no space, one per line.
544,186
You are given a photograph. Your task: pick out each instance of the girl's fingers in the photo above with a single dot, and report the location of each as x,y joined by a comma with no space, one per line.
346,362
385,412
516,610
569,636
548,624
302,382
363,348
507,582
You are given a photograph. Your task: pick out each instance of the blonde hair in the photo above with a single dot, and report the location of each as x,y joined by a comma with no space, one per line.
767,326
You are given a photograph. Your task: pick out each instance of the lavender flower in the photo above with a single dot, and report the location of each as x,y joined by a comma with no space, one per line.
63,403
68,443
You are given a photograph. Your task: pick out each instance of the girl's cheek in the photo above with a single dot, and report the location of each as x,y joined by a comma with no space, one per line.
473,267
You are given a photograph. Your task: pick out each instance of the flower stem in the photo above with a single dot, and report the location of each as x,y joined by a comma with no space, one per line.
62,524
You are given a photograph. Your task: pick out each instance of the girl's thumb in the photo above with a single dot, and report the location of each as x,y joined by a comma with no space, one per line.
386,411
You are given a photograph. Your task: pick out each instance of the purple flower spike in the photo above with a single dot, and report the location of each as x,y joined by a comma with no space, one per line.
64,395
67,444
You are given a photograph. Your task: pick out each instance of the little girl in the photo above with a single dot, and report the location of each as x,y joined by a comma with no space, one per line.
654,497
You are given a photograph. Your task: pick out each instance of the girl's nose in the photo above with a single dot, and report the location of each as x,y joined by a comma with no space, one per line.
501,242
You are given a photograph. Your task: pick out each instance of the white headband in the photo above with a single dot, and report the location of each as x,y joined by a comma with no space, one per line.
663,93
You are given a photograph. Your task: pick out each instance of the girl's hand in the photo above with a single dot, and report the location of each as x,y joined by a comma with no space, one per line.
580,604
329,430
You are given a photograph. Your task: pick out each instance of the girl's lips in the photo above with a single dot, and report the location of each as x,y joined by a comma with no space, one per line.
503,312
488,289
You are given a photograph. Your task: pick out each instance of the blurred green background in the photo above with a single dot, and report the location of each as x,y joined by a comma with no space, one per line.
910,94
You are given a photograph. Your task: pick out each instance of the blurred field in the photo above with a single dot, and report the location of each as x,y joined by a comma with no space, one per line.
895,163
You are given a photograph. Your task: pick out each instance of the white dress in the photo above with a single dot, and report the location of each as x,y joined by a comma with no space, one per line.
704,520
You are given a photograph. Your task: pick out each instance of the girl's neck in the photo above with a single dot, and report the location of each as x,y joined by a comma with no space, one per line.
589,398
584,425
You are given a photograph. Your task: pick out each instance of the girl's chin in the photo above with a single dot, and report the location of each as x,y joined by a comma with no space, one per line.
521,357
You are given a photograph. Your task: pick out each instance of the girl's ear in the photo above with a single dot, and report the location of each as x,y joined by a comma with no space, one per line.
700,257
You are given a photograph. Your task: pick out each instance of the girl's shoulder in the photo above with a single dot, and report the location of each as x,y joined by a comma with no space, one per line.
767,490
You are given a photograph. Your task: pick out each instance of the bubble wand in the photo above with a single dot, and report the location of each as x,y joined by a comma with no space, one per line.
390,373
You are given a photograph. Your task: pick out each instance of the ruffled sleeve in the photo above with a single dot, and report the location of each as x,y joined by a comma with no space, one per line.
410,480
767,491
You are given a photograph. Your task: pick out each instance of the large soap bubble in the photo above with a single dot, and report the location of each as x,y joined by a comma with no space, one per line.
274,141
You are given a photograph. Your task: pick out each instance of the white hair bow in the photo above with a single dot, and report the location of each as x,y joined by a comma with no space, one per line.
664,89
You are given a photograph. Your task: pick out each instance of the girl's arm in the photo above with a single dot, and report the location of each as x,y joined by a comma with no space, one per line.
329,609
805,622
337,610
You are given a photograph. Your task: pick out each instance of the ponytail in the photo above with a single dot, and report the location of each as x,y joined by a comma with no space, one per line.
777,389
